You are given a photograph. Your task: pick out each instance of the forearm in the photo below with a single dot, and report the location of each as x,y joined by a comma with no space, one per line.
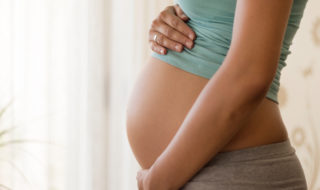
216,116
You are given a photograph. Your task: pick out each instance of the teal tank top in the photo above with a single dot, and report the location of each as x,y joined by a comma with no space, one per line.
212,21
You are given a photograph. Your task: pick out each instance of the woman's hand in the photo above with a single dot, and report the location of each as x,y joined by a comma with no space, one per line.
142,179
171,30
146,183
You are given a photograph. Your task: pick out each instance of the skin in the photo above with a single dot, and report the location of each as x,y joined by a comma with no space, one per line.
173,33
233,113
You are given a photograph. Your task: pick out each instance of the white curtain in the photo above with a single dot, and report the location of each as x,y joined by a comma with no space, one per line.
68,66
54,65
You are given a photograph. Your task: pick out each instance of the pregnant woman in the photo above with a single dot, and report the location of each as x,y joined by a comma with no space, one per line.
207,116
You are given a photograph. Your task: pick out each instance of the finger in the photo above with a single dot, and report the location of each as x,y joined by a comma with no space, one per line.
176,23
139,181
163,41
157,48
180,12
170,8
174,35
139,184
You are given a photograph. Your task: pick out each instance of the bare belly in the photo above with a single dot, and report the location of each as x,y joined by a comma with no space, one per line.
159,101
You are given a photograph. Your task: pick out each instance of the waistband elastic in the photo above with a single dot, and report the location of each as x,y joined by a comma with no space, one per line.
254,153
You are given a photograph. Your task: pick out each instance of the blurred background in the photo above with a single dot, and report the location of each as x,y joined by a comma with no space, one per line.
66,70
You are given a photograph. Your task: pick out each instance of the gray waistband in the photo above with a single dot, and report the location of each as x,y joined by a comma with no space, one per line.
254,153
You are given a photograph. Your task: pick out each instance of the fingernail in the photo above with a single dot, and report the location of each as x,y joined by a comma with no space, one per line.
177,47
162,51
189,44
191,36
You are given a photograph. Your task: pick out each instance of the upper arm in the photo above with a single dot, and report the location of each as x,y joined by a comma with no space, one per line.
258,31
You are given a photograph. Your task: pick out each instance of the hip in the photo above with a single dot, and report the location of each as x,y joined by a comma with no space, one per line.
273,166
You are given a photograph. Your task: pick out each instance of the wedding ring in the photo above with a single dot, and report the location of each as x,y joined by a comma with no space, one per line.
155,38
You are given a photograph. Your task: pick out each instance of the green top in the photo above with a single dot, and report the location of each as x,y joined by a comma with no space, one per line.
212,21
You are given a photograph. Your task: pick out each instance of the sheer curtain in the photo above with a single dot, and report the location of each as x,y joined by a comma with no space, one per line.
129,51
66,70
66,67
54,69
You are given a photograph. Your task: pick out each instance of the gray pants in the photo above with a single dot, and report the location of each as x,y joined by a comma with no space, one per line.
273,166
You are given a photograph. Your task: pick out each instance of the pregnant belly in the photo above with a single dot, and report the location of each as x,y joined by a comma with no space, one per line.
161,97
160,100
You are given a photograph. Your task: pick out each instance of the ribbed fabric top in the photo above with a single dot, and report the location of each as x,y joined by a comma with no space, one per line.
212,21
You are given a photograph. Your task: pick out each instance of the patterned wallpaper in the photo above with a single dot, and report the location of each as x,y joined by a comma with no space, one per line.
300,92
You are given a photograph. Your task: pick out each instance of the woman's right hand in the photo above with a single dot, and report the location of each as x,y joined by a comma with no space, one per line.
171,30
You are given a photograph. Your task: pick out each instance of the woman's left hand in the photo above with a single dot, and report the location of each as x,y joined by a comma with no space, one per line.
142,179
145,182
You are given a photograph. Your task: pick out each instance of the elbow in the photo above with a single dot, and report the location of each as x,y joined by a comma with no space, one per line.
258,86
251,89
264,81
262,84
258,82
254,73
250,82
247,97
